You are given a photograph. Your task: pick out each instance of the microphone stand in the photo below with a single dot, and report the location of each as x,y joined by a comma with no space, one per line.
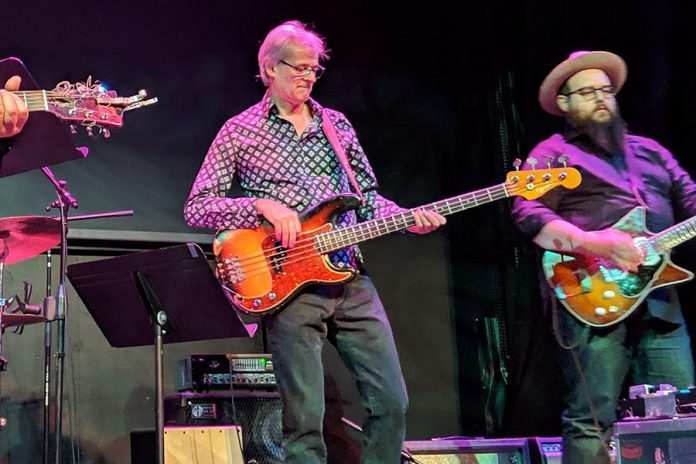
47,365
64,201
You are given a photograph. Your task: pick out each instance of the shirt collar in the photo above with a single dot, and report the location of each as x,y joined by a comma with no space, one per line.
268,105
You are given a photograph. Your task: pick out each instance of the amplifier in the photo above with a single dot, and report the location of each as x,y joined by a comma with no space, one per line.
471,451
656,440
213,371
257,412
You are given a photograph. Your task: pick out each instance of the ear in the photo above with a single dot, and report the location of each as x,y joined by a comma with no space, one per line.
270,70
563,102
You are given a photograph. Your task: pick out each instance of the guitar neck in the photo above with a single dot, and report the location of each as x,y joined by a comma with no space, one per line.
36,100
363,231
675,235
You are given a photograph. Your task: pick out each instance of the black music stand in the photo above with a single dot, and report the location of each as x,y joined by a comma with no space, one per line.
160,296
44,140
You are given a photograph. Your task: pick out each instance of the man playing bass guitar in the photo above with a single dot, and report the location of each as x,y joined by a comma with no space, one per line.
620,172
284,162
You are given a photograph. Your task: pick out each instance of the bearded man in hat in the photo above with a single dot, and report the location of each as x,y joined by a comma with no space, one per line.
620,171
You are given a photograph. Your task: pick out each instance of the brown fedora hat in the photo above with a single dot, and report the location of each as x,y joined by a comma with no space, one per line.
613,65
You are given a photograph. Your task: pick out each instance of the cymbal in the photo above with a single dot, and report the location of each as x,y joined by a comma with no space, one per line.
10,320
27,236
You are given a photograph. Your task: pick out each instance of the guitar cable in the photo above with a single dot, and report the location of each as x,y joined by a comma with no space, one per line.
576,360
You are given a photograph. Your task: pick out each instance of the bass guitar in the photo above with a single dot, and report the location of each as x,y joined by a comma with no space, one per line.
598,292
262,276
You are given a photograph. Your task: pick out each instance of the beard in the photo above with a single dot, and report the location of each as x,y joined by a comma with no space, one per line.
609,134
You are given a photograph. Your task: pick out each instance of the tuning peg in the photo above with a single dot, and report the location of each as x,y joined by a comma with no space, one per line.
73,129
517,163
89,131
106,133
563,159
548,160
532,162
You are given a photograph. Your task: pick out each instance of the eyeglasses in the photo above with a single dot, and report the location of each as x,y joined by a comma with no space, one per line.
305,71
590,93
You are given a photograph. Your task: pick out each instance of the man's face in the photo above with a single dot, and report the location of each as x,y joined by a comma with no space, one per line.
583,105
290,84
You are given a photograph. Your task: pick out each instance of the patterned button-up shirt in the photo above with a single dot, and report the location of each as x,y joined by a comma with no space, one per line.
264,154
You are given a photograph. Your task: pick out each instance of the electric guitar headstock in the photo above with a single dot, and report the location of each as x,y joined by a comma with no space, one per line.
532,184
87,103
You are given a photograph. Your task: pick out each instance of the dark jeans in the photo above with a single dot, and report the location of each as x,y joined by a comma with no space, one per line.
641,350
352,318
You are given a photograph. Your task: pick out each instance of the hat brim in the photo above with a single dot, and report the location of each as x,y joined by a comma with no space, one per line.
612,64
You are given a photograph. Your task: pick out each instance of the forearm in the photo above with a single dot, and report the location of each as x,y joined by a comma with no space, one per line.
559,235
213,212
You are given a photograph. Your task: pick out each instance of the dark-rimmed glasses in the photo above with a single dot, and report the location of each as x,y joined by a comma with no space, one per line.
590,93
305,71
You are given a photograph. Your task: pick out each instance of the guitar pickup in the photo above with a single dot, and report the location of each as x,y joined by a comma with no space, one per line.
278,258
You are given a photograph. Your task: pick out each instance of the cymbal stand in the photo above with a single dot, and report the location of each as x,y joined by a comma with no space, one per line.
47,366
64,201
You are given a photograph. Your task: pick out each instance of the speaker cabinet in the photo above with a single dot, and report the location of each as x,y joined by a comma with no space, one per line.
257,412
203,445
189,445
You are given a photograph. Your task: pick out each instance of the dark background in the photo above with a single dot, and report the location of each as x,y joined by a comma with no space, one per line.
443,96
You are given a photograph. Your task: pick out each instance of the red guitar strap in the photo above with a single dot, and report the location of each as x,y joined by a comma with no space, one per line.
330,132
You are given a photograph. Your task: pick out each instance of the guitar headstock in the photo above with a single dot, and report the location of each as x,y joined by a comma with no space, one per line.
532,184
91,105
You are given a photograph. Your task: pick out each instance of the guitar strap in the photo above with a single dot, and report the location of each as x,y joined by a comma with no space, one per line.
330,132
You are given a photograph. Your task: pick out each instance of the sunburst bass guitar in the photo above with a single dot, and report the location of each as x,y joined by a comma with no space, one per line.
598,292
262,276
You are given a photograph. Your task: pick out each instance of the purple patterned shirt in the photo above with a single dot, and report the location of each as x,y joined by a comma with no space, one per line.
264,154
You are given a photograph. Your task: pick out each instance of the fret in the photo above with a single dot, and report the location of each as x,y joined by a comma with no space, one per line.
675,235
363,231
45,100
318,243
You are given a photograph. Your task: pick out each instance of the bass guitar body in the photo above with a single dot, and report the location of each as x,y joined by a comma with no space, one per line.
262,276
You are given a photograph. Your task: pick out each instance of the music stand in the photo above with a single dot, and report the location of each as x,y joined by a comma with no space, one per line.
44,140
168,295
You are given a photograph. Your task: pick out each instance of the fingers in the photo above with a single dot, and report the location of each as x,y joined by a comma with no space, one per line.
13,111
8,114
287,230
426,221
13,83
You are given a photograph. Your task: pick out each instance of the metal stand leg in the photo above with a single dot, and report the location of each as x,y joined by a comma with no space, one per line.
159,389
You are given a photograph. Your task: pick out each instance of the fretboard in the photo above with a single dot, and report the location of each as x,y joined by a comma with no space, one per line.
363,231
36,100
675,235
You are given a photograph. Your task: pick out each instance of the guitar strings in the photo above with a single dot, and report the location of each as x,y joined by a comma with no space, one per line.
268,252
304,252
261,262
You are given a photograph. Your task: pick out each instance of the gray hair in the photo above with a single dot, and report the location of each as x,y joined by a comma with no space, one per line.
275,45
